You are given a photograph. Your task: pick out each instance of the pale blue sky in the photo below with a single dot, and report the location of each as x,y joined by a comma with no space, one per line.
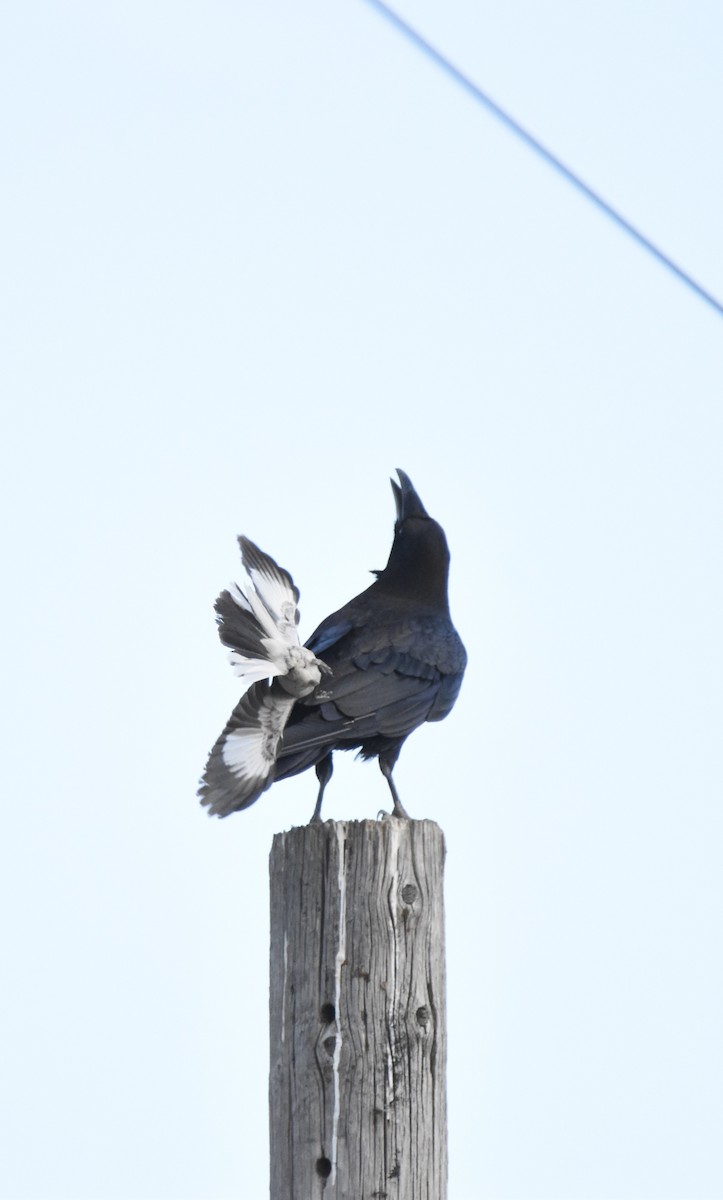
254,258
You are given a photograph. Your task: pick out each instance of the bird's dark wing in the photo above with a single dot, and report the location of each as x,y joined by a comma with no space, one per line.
385,681
335,627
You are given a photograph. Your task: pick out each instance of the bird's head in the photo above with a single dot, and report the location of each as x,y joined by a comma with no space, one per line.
419,559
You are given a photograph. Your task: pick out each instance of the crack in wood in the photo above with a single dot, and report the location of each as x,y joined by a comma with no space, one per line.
358,1044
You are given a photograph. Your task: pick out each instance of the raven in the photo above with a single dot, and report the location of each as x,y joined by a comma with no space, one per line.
372,672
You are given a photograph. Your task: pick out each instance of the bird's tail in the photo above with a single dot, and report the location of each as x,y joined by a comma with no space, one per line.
259,625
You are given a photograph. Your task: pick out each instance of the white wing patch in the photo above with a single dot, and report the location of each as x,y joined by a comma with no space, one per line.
249,752
271,646
252,670
243,754
274,595
273,608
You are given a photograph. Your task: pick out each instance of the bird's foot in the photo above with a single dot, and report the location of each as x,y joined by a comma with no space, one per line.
399,812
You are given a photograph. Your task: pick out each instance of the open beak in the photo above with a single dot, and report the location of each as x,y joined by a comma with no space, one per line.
406,499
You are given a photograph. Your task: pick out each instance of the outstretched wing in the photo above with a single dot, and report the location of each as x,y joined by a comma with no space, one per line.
259,625
241,764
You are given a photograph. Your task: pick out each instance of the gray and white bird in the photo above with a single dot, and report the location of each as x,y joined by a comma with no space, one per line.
370,674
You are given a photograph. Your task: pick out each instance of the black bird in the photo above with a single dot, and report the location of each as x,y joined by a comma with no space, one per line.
372,672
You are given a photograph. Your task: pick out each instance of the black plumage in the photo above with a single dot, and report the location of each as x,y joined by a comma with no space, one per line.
372,672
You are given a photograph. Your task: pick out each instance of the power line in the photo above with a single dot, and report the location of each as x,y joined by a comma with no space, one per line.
482,98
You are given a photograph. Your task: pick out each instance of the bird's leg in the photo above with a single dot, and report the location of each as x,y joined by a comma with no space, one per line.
386,767
324,771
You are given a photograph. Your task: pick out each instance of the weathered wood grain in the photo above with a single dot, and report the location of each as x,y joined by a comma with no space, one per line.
357,1087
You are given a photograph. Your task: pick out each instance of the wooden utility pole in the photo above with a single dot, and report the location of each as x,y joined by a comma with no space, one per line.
357,1089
